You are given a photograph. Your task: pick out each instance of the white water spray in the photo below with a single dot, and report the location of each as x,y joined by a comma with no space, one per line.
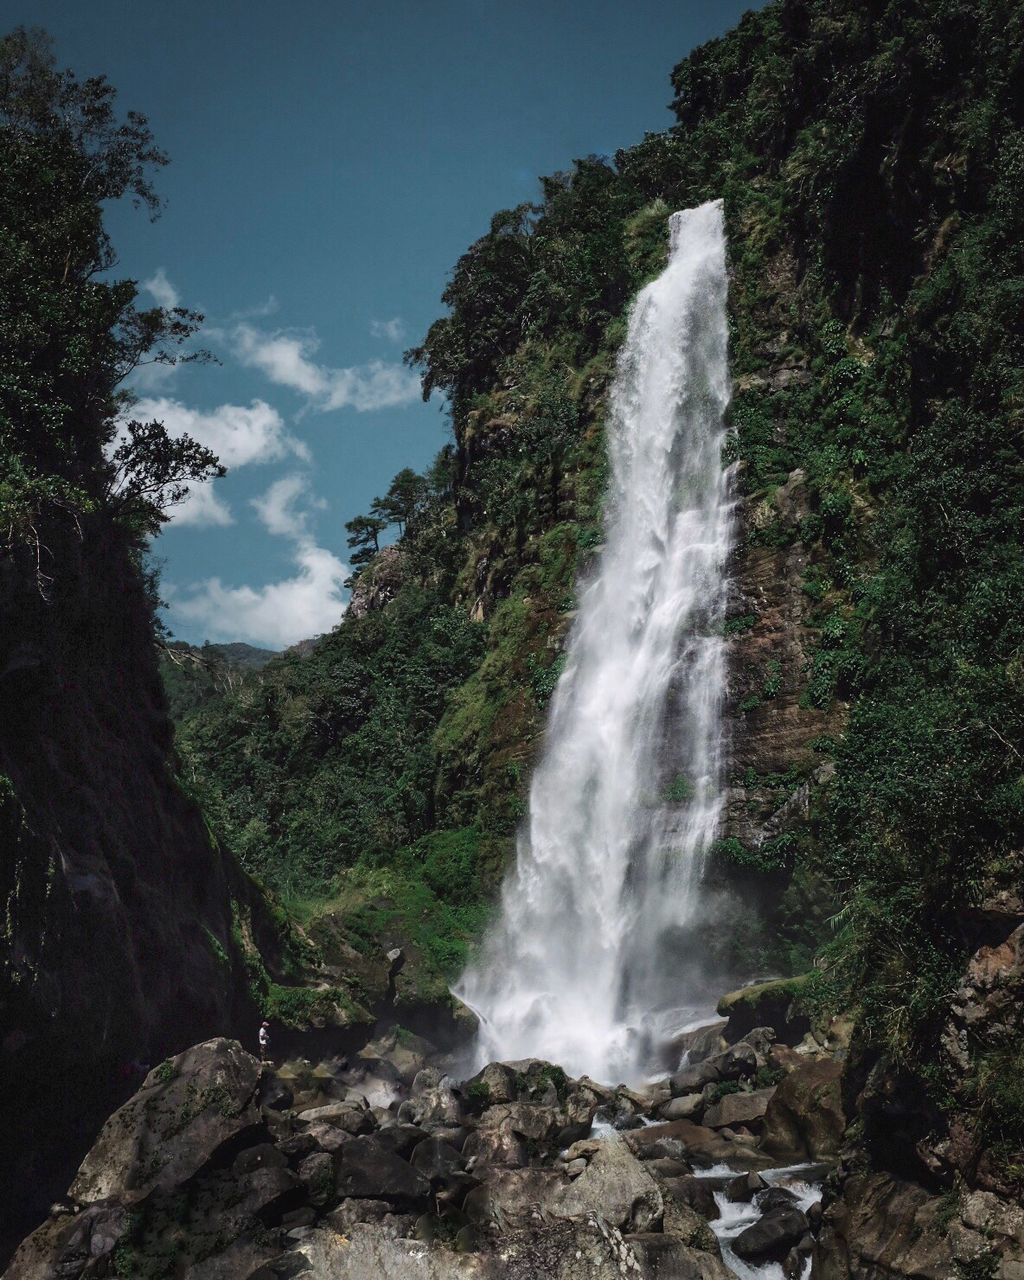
593,954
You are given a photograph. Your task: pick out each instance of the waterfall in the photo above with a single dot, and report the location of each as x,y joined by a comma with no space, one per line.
594,959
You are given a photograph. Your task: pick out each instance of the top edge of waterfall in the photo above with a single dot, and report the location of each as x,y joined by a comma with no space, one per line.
710,213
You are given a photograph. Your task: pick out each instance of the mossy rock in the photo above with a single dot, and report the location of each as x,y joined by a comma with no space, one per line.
774,1004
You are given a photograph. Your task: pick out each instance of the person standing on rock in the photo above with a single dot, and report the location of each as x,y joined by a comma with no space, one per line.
264,1041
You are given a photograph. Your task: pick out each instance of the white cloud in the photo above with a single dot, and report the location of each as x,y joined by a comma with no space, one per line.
278,614
393,330
164,293
240,435
202,507
276,507
287,359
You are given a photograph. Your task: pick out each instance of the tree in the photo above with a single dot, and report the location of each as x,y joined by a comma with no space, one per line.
402,500
364,539
150,472
68,338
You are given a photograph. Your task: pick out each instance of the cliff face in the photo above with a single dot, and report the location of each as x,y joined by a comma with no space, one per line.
117,903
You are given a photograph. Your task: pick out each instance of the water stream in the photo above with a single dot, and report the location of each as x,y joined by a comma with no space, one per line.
595,959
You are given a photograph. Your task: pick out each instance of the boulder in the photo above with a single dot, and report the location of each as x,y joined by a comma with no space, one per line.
739,1108
734,1063
367,1170
64,1246
804,1119
684,1223
697,1194
434,1104
494,1084
772,1236
316,1173
687,1107
614,1184
666,1167
343,1115
186,1109
537,1123
436,1160
400,1139
496,1146
349,1212
881,1225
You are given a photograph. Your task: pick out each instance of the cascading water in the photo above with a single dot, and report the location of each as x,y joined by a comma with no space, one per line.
594,948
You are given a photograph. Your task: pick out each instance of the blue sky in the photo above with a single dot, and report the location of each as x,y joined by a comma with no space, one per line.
330,162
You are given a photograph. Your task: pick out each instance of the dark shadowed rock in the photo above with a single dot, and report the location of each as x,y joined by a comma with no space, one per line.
367,1170
436,1160
772,1236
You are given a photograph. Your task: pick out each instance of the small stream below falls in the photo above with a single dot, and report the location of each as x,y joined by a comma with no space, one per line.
804,1181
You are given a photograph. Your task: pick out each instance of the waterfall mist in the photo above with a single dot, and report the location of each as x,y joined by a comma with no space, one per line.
595,958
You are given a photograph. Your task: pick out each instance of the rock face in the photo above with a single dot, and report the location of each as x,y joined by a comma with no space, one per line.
776,734
884,1226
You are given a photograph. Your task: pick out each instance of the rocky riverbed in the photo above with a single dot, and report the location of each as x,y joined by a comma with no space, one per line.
387,1166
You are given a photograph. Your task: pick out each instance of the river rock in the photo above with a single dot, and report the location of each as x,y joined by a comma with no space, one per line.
772,1236
739,1108
805,1119
185,1110
664,1167
704,1147
742,1189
